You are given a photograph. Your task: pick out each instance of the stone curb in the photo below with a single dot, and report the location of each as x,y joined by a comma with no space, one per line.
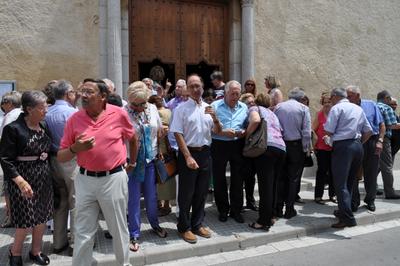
243,240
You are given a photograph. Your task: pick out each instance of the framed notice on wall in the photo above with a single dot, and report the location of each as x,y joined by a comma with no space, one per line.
7,86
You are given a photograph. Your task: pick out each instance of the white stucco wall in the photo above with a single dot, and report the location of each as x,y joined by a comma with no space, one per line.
41,40
318,44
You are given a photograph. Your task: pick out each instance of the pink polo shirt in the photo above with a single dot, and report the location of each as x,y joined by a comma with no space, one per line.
110,131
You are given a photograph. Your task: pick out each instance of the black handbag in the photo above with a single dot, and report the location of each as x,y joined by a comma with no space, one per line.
256,143
308,161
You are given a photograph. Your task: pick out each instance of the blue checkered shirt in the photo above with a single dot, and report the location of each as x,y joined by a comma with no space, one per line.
389,117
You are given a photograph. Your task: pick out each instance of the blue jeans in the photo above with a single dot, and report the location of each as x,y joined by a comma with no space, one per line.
150,199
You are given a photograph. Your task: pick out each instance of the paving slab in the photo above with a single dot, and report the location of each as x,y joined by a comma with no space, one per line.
312,218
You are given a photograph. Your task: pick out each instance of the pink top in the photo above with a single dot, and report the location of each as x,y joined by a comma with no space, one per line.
110,131
274,129
320,145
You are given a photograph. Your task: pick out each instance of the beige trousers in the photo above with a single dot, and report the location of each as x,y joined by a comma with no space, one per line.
63,176
110,194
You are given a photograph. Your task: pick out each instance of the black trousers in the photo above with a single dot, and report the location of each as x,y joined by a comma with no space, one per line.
324,174
268,167
193,190
249,178
223,152
370,166
346,160
291,174
395,142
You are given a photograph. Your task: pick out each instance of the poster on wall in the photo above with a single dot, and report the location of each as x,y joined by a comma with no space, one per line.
7,86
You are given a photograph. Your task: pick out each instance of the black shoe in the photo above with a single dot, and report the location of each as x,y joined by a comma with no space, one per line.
371,206
290,213
160,232
340,225
300,200
62,249
237,217
333,199
107,235
40,259
14,260
252,206
379,192
354,208
223,217
394,196
279,213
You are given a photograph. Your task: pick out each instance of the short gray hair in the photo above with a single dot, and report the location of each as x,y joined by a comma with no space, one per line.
13,97
182,82
274,92
232,83
61,89
296,93
32,99
354,89
341,92
148,79
109,84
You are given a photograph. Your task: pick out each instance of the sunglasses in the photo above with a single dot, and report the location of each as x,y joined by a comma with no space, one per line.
249,84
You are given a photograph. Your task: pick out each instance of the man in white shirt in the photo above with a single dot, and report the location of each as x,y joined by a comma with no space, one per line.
11,106
347,127
192,124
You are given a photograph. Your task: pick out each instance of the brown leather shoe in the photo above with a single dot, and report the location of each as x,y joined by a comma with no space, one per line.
203,232
189,237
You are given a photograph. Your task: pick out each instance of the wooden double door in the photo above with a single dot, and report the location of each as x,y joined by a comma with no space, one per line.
170,39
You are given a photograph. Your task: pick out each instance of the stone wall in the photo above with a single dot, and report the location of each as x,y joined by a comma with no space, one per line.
320,44
42,40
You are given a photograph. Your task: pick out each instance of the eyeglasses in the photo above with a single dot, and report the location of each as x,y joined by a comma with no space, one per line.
87,91
143,104
250,84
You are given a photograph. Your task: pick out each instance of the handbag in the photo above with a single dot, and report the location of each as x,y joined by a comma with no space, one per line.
166,165
256,143
308,161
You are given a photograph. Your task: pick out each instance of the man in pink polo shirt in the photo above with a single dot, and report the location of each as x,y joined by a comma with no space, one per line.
96,135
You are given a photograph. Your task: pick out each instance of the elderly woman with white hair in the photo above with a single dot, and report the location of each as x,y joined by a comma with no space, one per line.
147,124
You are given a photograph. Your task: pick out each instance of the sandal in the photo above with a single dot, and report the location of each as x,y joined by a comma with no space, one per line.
40,259
7,223
134,244
258,226
160,232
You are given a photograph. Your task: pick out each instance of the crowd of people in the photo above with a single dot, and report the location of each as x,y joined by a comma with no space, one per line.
72,153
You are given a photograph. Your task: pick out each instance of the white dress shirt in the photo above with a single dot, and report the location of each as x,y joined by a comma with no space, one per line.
190,120
10,117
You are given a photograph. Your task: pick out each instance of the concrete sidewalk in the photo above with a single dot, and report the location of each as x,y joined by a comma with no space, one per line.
312,218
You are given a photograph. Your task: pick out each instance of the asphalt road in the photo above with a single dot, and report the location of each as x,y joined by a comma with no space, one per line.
378,248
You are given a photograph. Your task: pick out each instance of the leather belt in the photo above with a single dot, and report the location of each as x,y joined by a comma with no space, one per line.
197,148
117,169
27,158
